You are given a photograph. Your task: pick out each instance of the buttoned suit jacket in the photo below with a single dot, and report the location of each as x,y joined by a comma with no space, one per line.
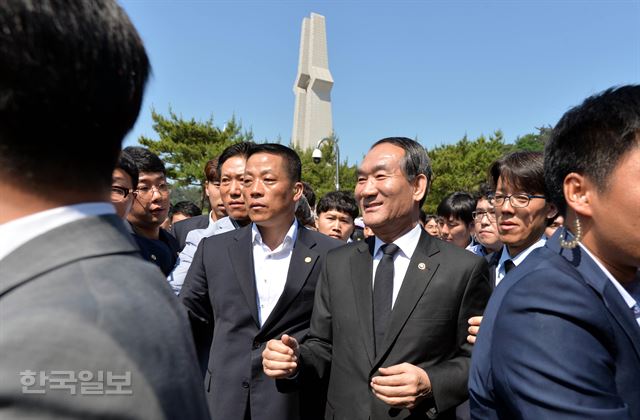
557,341
220,293
443,287
80,298
181,229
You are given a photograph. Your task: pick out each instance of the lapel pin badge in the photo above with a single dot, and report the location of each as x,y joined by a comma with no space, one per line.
422,266
307,259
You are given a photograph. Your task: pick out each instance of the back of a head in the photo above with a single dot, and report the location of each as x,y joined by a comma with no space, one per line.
416,160
309,194
72,75
288,155
524,171
341,201
146,161
591,139
459,205
187,208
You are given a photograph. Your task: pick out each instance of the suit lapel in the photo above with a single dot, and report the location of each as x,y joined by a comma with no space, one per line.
241,256
594,276
623,315
421,269
85,238
362,278
493,261
303,259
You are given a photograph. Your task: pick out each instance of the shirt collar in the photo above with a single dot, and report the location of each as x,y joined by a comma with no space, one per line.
522,255
21,230
629,300
289,238
407,242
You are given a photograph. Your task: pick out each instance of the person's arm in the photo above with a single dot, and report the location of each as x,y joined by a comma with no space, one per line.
449,378
195,297
552,351
177,276
474,328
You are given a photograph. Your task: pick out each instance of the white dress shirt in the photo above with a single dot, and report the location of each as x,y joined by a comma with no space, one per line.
517,260
20,231
194,237
271,268
407,244
628,299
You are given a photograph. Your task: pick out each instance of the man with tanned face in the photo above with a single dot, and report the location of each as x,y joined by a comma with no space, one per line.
254,284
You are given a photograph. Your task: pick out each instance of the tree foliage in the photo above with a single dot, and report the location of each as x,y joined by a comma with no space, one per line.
185,146
462,166
321,175
534,142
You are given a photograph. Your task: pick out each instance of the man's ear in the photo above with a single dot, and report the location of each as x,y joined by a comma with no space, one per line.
577,193
298,188
419,187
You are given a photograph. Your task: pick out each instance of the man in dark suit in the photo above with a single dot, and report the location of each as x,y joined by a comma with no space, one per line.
88,329
561,334
254,284
393,344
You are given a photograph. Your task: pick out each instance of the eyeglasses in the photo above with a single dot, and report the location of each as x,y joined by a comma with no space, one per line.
119,193
517,200
478,215
145,191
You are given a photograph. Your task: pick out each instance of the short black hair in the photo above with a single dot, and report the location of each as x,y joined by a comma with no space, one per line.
341,201
146,160
415,162
591,138
72,76
237,149
188,208
129,167
521,170
484,191
428,217
460,205
309,194
303,212
290,157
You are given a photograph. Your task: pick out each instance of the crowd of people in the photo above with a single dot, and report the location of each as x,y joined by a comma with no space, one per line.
116,304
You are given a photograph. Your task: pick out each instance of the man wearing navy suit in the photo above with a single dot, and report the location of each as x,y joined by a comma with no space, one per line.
561,334
254,284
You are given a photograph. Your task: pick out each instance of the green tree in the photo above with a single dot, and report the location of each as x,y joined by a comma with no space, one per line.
185,146
462,166
533,142
321,175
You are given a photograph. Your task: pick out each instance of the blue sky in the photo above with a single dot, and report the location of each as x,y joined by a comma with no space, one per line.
433,69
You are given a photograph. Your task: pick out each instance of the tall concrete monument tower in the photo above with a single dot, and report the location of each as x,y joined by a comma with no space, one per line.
312,116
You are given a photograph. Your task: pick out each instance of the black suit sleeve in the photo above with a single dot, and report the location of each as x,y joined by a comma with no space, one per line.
449,378
194,295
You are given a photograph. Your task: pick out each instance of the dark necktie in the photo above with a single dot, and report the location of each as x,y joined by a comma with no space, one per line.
508,266
383,293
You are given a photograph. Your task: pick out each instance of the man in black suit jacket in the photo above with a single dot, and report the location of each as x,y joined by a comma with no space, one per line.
389,353
254,284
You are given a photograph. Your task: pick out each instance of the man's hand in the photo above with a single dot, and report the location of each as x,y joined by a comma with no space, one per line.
474,327
280,357
403,386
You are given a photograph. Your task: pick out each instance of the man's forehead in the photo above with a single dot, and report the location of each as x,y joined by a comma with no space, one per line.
336,212
151,176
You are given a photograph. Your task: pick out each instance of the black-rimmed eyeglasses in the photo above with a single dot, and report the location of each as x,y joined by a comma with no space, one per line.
119,193
516,200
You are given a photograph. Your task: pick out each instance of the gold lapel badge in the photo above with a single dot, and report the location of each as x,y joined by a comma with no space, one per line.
307,259
422,266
